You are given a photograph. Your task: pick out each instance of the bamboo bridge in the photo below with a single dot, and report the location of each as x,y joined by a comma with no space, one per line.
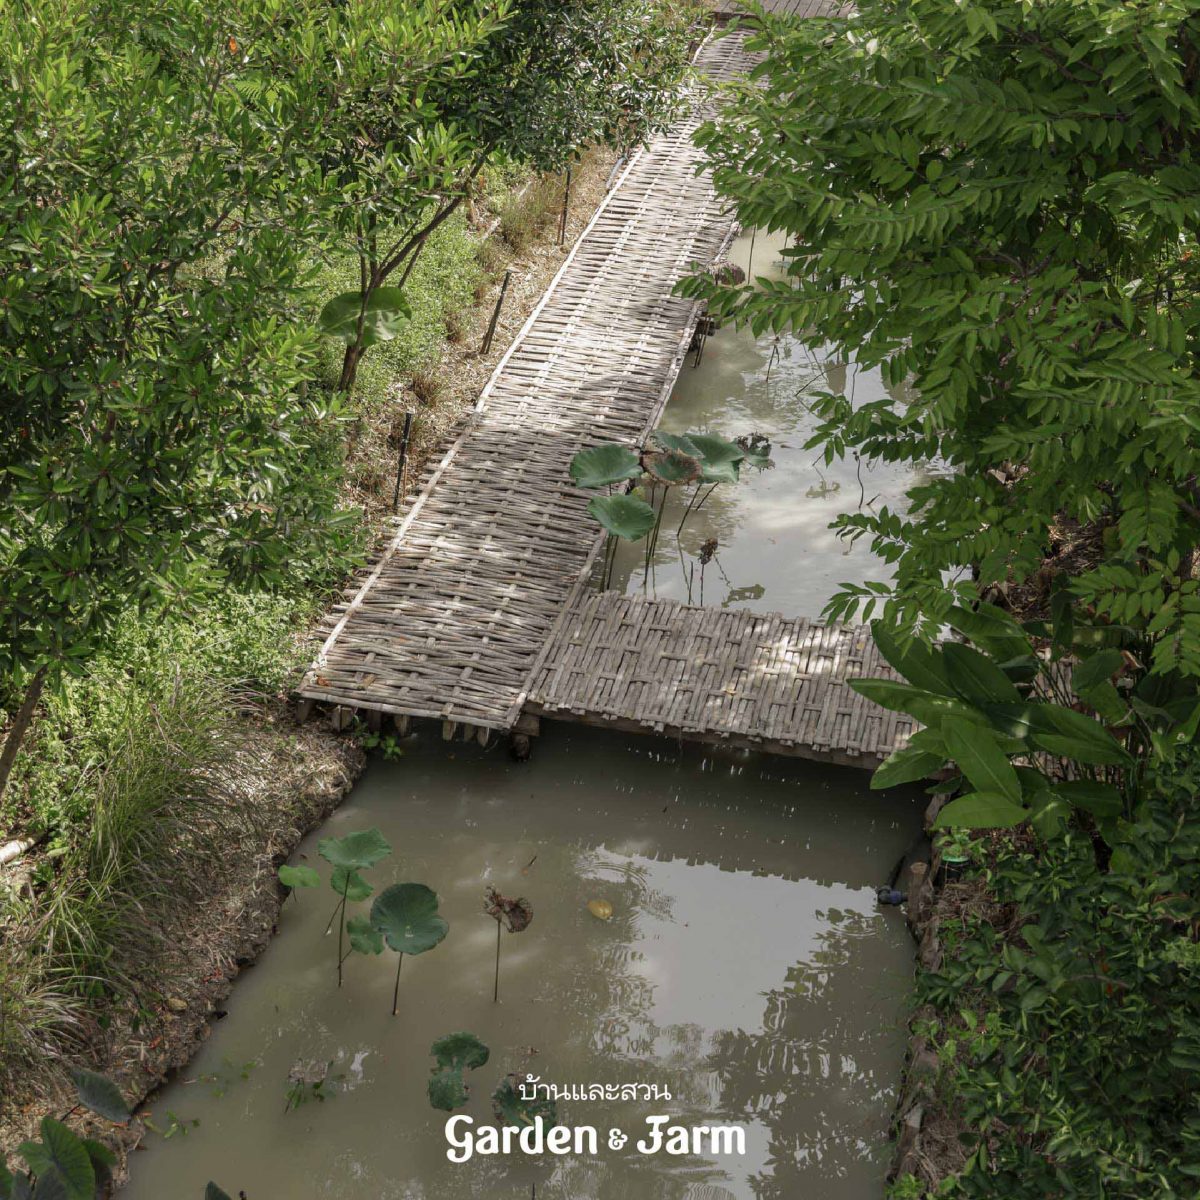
479,612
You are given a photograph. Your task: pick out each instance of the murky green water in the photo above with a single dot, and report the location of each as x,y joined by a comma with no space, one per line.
746,967
775,551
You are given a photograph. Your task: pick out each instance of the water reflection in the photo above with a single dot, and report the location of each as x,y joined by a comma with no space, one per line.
745,966
775,551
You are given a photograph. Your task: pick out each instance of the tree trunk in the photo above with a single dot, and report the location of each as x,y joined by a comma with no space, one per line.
20,725
349,368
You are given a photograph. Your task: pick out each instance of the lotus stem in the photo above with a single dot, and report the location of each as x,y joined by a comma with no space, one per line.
342,926
396,989
652,538
496,990
679,527
706,496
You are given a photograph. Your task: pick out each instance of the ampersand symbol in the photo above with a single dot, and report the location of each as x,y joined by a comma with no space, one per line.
616,1139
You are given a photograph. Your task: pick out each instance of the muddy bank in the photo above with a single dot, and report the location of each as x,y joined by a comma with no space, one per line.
288,779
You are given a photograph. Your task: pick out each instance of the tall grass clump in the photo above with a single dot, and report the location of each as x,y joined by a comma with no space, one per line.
526,212
135,781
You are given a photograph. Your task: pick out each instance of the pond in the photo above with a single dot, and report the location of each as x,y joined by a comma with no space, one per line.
745,966
775,550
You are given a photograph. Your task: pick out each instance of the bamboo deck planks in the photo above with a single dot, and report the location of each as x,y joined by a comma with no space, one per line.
779,683
452,619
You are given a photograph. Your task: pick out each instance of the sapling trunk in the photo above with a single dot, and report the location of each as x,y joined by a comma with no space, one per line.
396,989
20,725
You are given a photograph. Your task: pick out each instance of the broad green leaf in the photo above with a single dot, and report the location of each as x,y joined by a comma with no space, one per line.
980,811
212,1192
975,751
6,1180
905,765
677,441
976,678
992,629
926,707
355,851
601,465
1100,799
351,884
462,1050
720,460
61,1153
1048,813
407,916
623,516
918,663
298,877
386,311
1096,669
456,1053
1090,736
99,1094
364,938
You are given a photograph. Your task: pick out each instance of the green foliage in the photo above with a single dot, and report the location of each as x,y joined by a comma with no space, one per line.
64,1166
1070,1045
379,320
100,1095
455,1054
606,464
157,440
356,851
623,516
1005,714
996,205
298,877
406,914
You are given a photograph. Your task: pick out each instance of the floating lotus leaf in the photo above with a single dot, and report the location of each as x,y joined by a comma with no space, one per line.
456,1053
387,310
406,914
364,938
672,467
349,883
623,516
720,461
601,909
298,877
99,1094
510,1108
606,464
677,441
355,851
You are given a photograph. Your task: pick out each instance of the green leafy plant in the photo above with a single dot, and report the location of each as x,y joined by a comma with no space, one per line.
62,1165
348,856
1000,700
1034,319
298,877
516,914
455,1054
406,916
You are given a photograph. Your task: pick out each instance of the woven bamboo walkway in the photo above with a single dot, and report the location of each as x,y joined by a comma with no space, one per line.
717,675
450,621
790,8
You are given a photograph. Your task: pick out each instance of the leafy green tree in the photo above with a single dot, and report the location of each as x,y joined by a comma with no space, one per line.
402,106
998,204
155,434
